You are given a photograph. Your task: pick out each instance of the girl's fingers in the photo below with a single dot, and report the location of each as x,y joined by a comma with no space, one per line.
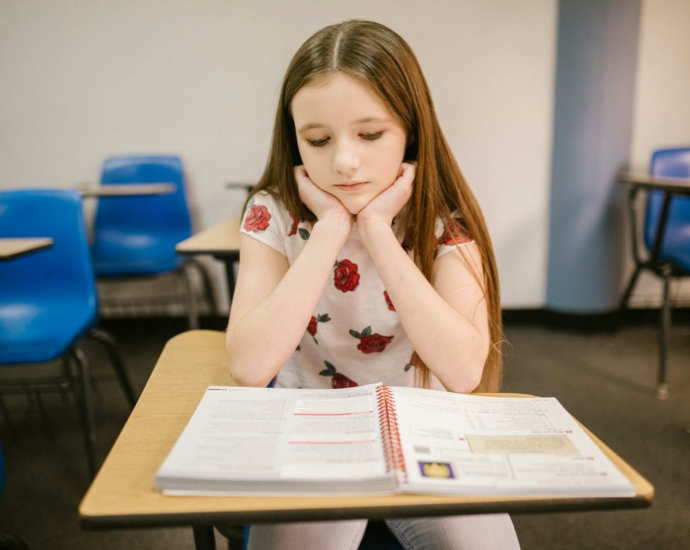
389,203
316,199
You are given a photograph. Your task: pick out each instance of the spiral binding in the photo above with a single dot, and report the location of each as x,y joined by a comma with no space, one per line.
392,447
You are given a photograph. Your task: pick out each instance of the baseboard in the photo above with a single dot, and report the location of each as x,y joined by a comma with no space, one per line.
588,322
591,322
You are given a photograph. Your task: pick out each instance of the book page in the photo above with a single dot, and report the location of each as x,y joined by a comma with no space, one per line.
280,434
475,444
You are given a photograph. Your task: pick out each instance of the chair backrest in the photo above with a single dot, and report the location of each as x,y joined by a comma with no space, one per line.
674,163
166,216
62,272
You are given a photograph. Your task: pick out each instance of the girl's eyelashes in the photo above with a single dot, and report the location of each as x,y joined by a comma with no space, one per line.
317,142
321,142
372,137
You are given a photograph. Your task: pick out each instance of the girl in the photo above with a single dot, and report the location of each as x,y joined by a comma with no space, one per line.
365,257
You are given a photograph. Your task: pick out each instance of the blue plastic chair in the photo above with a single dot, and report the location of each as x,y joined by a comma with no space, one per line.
48,299
135,236
669,257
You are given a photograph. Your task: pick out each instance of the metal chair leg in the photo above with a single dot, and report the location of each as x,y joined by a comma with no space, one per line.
209,294
628,290
86,408
204,539
664,328
8,419
118,366
192,313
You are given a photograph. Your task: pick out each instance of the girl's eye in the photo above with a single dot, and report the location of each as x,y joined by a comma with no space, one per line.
317,142
371,137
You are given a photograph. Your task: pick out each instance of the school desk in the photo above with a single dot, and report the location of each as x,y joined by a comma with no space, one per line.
669,188
15,248
222,241
126,189
123,493
240,185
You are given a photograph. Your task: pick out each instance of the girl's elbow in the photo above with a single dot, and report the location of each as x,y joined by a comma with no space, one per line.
471,377
474,379
245,379
244,371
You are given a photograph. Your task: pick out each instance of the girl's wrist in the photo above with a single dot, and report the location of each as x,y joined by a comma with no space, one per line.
372,228
339,226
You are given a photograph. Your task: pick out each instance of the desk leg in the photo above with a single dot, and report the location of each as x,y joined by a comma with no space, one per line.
229,261
204,539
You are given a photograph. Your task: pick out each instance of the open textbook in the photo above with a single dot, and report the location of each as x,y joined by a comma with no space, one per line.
379,440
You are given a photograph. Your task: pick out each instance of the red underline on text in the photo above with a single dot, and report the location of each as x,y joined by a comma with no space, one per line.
333,414
331,442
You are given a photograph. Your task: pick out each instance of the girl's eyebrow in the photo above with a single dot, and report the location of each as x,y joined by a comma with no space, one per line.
312,125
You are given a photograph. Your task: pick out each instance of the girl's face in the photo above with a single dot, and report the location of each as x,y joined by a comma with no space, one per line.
351,144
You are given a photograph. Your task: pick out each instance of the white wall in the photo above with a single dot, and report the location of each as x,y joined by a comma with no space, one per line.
84,80
662,105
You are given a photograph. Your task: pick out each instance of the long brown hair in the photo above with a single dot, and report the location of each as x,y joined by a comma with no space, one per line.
379,58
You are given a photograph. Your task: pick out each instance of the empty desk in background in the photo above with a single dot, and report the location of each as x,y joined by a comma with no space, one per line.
15,248
222,241
662,256
240,185
123,494
126,189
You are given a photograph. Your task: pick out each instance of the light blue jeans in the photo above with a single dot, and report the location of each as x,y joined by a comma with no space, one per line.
472,532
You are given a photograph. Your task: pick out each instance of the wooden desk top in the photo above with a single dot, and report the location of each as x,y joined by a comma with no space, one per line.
123,493
14,248
127,189
222,238
657,183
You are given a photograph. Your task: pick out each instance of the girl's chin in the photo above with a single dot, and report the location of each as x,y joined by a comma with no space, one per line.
354,205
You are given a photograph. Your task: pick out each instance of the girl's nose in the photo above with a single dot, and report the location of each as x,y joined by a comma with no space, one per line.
345,161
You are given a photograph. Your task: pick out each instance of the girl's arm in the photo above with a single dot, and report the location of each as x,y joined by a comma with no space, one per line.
445,319
273,301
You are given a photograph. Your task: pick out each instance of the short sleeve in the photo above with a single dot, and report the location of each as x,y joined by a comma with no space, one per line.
452,235
266,220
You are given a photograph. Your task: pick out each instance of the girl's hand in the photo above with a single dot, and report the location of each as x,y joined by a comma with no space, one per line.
322,204
386,206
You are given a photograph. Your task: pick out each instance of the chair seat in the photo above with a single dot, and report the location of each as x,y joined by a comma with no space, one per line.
30,333
122,255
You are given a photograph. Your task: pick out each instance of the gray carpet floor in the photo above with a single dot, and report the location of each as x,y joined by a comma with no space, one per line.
607,381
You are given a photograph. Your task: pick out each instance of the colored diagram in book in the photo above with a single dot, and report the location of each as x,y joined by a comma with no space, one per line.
437,470
435,446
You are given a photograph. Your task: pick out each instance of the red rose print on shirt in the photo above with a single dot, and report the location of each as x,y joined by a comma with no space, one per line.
345,276
311,328
257,219
388,301
338,380
414,362
295,223
371,343
455,233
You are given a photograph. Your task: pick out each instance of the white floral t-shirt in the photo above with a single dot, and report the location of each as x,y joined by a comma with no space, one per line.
354,336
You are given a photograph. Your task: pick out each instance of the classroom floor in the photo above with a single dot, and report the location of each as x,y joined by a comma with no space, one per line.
604,380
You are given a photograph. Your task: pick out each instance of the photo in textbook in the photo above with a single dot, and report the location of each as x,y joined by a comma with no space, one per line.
376,439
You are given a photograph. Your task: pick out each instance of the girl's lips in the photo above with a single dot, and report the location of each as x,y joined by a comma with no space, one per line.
351,186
